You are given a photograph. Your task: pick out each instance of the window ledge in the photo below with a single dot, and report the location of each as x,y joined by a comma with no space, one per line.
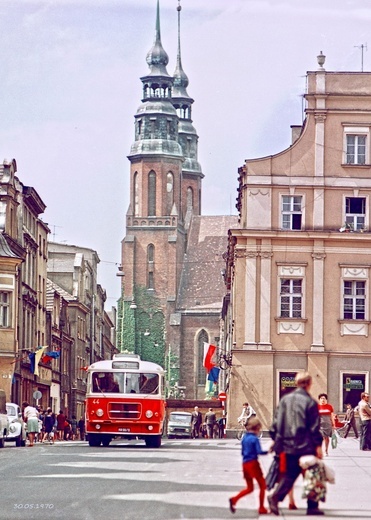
278,318
345,165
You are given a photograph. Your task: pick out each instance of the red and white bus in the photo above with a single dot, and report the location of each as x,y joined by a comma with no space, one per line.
125,398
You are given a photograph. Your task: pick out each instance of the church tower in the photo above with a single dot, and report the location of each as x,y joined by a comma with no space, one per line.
165,190
188,139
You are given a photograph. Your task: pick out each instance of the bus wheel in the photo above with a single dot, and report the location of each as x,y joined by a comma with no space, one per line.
94,439
106,440
153,441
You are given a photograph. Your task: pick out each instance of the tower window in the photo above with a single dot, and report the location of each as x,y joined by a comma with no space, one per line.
150,266
169,192
152,194
203,337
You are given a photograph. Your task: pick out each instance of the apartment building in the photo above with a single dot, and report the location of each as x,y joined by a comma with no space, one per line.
299,265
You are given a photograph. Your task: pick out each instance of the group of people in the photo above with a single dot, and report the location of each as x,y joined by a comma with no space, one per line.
301,427
211,428
44,425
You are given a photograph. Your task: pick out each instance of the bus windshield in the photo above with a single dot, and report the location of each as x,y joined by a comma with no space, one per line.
125,382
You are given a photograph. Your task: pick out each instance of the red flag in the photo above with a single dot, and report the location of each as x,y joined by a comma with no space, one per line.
209,351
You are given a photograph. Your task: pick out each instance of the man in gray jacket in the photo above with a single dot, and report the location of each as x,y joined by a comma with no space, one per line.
295,431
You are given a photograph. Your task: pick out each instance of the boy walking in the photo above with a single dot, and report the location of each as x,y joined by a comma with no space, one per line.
251,468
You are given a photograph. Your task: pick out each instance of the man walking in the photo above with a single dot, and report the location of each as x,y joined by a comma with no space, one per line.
196,423
364,411
210,420
295,431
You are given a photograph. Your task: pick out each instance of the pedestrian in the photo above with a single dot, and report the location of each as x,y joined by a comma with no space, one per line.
49,422
196,422
251,449
81,427
295,431
221,426
67,432
327,422
31,417
210,421
247,412
61,419
73,423
364,411
350,421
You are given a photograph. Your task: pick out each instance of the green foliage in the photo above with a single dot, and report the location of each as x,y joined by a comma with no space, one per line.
149,326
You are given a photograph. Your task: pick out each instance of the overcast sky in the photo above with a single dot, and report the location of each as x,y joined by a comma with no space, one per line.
70,87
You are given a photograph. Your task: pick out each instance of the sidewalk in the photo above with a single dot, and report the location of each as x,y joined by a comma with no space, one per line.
350,496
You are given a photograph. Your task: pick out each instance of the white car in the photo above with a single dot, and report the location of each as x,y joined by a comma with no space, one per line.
17,430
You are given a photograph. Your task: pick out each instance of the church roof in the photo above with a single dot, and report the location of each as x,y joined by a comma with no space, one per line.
202,286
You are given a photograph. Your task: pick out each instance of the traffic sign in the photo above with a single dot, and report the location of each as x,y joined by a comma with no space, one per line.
222,396
37,395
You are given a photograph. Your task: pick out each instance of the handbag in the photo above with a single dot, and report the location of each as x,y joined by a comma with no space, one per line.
273,473
334,440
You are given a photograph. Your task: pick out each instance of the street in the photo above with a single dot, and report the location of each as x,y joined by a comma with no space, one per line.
184,479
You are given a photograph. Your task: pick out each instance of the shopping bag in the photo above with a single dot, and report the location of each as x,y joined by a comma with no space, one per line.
334,440
315,483
273,473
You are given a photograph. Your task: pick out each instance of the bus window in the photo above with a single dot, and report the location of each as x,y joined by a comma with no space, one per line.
105,382
149,384
125,383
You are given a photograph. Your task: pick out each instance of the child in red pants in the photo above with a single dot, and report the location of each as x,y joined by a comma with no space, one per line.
250,465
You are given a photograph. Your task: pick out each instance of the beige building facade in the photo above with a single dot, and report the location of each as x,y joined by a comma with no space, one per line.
299,265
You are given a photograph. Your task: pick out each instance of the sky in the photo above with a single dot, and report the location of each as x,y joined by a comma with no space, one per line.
70,86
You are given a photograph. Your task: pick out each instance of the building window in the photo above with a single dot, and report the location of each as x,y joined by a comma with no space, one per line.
150,266
151,194
151,253
136,194
291,298
355,212
354,300
169,192
291,212
356,149
4,309
203,337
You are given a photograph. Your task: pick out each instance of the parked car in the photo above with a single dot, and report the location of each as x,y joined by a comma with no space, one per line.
179,425
17,429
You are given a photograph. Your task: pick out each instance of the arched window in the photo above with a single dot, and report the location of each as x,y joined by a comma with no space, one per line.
151,253
136,195
203,337
169,192
151,194
150,266
189,199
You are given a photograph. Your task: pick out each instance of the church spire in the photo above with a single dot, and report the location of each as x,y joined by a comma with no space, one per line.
157,57
180,77
188,137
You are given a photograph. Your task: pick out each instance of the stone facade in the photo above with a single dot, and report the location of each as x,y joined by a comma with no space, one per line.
299,266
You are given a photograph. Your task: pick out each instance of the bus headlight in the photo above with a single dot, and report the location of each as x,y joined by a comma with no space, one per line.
97,426
99,412
149,414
